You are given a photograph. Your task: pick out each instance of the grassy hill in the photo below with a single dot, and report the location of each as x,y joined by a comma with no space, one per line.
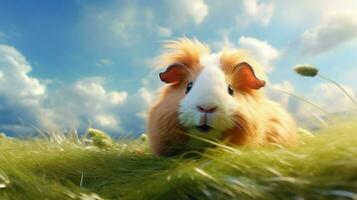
60,166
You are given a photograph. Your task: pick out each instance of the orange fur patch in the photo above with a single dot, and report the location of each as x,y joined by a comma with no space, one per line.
231,58
184,51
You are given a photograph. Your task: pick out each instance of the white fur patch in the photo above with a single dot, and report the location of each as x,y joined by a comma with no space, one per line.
210,89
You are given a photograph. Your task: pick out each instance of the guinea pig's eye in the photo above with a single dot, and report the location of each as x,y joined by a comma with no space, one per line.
189,86
230,90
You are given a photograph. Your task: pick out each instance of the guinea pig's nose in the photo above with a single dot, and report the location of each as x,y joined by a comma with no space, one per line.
207,109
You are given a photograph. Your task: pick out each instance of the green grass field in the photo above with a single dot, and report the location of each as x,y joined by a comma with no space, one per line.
323,166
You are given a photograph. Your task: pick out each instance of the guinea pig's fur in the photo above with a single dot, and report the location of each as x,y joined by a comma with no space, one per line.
197,101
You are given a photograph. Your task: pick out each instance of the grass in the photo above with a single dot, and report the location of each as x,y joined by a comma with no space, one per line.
64,167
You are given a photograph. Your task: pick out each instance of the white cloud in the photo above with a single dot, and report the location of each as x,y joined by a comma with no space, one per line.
26,102
304,113
325,95
335,30
134,110
280,92
332,98
306,13
261,51
88,99
147,97
17,68
107,121
103,62
117,98
197,9
255,11
21,95
183,11
349,76
164,31
278,95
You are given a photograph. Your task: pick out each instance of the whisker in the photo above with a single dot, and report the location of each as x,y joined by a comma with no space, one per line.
240,126
240,123
244,124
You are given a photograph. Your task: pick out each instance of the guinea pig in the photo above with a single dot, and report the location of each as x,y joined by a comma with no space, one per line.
214,96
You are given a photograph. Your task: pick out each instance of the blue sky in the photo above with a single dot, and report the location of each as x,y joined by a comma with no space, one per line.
68,64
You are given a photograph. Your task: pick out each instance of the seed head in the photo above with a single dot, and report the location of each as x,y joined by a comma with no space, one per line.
306,70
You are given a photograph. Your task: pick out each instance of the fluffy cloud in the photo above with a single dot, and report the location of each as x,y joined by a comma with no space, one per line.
16,69
283,93
304,13
133,112
147,96
335,30
325,95
255,11
25,101
184,11
332,98
303,113
197,9
350,75
277,90
88,100
261,50
21,96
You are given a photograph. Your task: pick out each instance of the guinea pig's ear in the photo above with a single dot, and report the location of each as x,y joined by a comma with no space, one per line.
175,73
245,79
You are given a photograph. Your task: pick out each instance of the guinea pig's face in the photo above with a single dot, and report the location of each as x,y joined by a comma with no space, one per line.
209,103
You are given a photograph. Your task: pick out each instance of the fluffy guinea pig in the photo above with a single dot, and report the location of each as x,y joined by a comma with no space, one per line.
215,96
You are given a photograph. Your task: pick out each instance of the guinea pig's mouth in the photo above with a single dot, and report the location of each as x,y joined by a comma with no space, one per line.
204,128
